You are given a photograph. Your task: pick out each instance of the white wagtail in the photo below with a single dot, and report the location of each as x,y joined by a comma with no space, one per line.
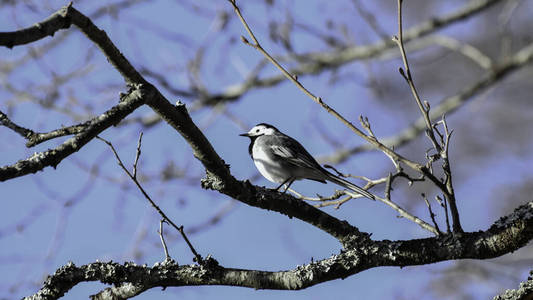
281,159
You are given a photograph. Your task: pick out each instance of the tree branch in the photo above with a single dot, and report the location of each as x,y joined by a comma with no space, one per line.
24,132
38,161
505,235
34,138
40,30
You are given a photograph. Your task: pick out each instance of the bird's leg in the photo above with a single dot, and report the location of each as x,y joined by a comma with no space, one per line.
283,183
286,180
292,180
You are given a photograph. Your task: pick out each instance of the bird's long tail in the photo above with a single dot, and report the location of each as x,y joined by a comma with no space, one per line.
345,183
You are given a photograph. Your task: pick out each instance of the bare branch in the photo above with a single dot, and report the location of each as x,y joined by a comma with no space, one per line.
5,121
431,214
48,27
137,155
424,110
444,204
405,214
162,237
39,137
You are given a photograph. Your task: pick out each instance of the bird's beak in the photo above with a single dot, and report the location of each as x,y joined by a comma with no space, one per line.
245,134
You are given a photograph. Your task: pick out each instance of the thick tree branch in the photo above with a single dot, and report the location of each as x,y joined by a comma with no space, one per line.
100,38
48,27
39,51
504,236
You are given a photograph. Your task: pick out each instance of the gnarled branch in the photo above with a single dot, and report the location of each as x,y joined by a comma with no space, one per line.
505,235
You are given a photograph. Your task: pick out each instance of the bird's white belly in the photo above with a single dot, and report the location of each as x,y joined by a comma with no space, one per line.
271,170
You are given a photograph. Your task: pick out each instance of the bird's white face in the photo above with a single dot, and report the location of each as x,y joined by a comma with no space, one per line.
261,129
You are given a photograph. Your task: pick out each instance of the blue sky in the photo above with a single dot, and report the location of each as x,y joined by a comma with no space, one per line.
68,214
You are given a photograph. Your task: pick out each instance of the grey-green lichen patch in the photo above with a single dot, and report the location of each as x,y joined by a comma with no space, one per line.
522,213
212,182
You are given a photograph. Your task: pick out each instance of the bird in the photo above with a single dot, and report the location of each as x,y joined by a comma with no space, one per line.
282,159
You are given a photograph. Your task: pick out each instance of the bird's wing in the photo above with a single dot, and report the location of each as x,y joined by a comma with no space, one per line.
293,152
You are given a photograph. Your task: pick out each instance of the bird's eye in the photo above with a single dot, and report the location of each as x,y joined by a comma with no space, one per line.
257,130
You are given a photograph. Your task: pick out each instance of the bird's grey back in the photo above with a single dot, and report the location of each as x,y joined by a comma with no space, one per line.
289,149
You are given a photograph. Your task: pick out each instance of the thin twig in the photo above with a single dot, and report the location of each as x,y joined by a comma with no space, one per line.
366,125
40,137
444,205
337,203
335,196
137,155
448,105
449,194
404,214
161,236
197,256
369,182
431,214
424,110
314,61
